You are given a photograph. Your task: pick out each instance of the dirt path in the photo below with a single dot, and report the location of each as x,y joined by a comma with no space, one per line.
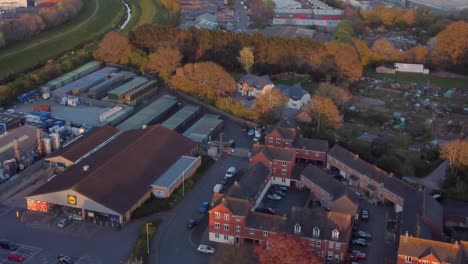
56,36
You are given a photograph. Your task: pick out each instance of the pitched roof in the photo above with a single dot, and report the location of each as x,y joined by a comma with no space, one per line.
237,206
250,184
273,153
259,82
294,92
121,172
312,144
287,133
325,181
86,143
267,222
419,248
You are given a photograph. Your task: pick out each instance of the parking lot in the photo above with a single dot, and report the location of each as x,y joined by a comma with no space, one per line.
24,250
294,197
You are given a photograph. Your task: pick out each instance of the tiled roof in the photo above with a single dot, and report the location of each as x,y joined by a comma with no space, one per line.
121,172
273,153
267,222
312,144
287,133
420,248
250,184
237,206
259,82
294,92
86,143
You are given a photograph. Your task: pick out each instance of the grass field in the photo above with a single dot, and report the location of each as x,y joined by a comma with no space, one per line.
147,12
444,82
60,40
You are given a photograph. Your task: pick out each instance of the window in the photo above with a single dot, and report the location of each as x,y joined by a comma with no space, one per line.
319,243
331,244
217,215
278,140
226,217
316,154
217,225
283,171
408,259
226,227
312,242
316,232
284,163
226,237
318,253
283,180
216,235
337,258
330,255
265,233
307,152
237,218
297,228
335,234
270,140
237,228
337,245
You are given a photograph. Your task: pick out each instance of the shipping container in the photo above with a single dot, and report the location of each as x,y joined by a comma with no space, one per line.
45,108
182,118
119,93
98,91
42,115
140,91
88,81
28,96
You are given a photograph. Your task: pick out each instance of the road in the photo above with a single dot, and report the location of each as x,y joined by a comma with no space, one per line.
435,179
41,42
243,17
174,243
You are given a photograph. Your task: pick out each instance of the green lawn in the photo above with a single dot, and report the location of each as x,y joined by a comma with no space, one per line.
64,38
147,12
444,82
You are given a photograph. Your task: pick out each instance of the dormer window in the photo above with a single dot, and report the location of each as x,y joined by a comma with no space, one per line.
335,234
316,232
297,228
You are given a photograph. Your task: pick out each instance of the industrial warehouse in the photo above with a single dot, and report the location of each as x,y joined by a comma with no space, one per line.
111,173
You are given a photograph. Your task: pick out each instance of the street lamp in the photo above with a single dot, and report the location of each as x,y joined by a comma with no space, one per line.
147,237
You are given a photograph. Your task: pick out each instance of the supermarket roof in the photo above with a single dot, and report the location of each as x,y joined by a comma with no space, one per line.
170,177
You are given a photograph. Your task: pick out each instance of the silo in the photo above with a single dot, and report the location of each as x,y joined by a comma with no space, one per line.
47,145
55,140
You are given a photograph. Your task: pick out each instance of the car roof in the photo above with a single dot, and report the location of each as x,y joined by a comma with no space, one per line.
232,168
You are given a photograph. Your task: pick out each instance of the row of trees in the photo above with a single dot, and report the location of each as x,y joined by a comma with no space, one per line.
29,25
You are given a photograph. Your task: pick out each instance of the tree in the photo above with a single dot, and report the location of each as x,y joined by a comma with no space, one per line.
452,44
365,54
171,5
286,249
207,80
164,62
246,58
347,64
5,93
417,54
114,48
324,111
267,105
344,31
456,153
340,96
385,50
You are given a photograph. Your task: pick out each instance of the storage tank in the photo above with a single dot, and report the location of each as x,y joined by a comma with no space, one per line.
9,167
47,145
55,141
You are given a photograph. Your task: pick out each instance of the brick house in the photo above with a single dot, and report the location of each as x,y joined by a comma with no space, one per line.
333,195
308,150
423,251
280,161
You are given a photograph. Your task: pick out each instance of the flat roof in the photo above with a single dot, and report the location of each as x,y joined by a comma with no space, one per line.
445,4
203,127
124,88
149,113
181,116
172,175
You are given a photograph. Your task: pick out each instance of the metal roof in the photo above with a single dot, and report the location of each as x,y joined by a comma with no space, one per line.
149,113
172,175
181,116
137,81
203,127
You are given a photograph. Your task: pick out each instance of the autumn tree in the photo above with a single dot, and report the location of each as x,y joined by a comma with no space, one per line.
340,96
114,48
456,153
171,5
452,44
246,58
364,53
286,249
324,111
385,50
5,93
207,80
268,104
164,62
347,63
417,54
344,31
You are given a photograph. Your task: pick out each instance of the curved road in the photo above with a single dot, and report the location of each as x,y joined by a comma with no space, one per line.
56,36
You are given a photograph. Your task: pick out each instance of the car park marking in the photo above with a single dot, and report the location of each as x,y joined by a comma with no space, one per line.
27,251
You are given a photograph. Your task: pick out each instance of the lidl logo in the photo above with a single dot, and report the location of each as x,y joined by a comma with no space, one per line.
72,199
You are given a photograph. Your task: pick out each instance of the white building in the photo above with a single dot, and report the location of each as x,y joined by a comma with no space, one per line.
297,96
443,7
252,85
289,4
412,68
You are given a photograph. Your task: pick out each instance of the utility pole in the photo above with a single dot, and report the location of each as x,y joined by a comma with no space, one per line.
220,144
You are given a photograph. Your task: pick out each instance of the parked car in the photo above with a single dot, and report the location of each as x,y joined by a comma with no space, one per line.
61,259
280,187
278,192
191,223
363,234
359,255
231,172
206,249
218,188
251,132
359,242
365,215
204,207
7,244
267,210
274,197
257,138
64,222
16,257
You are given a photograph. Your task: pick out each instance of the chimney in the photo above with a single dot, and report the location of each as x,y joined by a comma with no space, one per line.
16,149
40,146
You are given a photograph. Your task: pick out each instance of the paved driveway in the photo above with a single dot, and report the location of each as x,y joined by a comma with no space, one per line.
174,243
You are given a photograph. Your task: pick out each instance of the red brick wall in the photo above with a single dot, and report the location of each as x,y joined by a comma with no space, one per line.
271,140
260,158
278,167
311,155
232,222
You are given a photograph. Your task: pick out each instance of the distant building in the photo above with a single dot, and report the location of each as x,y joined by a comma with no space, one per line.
279,160
443,7
417,250
455,214
385,69
252,85
288,32
411,68
298,97
324,18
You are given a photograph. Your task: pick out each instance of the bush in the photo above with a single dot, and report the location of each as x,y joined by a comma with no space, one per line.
140,252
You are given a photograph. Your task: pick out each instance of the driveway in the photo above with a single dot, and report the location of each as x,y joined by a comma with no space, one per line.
434,179
174,243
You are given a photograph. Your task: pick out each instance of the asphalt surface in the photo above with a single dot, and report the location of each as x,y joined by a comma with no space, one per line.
243,17
174,242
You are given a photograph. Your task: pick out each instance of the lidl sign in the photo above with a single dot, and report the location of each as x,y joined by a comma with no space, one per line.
71,199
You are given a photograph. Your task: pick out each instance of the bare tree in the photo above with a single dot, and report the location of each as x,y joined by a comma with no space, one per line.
456,153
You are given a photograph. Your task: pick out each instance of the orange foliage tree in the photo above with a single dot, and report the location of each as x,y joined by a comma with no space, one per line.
340,96
114,48
286,249
456,153
417,54
323,110
452,44
268,104
164,62
385,50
